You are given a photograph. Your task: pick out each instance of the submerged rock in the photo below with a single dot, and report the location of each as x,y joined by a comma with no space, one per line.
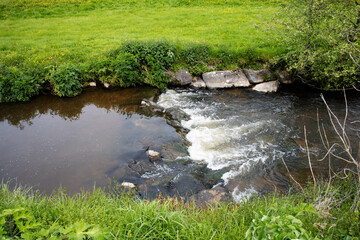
225,79
175,113
212,196
258,76
184,184
272,86
154,156
123,172
142,166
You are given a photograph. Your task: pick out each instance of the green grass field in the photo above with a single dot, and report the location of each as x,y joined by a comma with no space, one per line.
44,29
37,37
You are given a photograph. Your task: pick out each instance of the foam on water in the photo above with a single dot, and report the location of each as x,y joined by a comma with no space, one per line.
240,196
223,141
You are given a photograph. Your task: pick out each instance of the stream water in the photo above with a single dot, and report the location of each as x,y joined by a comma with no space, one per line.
235,138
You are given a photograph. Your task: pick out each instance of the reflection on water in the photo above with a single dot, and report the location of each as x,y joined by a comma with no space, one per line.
239,134
126,102
74,142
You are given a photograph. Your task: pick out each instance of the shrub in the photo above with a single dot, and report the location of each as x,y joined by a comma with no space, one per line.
196,56
127,70
322,39
18,222
153,59
66,81
159,53
16,85
98,68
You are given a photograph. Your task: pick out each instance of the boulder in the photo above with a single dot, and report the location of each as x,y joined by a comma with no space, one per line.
272,86
198,83
181,77
128,185
150,190
106,85
154,156
92,84
285,77
122,173
258,76
184,184
211,196
225,79
145,103
175,113
142,166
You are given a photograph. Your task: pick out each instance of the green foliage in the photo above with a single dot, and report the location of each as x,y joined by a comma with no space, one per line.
16,85
127,70
275,225
98,68
66,80
195,57
323,42
19,222
153,58
120,215
34,41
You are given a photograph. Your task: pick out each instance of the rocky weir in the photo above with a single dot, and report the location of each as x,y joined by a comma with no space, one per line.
258,80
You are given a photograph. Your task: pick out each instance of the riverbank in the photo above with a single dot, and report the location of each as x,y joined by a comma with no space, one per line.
60,46
115,215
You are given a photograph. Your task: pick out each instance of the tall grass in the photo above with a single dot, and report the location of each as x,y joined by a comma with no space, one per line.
123,216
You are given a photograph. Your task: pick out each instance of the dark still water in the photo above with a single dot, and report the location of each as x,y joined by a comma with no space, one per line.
235,138
75,142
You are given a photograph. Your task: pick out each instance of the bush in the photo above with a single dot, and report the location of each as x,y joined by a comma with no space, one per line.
196,56
153,59
127,70
322,39
16,85
277,225
66,81
151,54
99,68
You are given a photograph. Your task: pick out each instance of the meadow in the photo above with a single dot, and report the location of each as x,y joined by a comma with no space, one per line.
38,37
63,26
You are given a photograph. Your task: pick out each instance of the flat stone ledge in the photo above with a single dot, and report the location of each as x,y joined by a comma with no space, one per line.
266,87
225,79
258,76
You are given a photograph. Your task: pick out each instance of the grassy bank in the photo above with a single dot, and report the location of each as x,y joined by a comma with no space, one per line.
37,38
108,215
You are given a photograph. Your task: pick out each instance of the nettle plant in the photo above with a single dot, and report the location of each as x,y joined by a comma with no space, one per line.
66,80
277,224
17,85
20,223
153,59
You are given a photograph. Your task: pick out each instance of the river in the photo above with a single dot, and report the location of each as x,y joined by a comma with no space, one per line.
235,138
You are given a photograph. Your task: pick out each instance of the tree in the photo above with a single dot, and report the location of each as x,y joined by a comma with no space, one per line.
323,41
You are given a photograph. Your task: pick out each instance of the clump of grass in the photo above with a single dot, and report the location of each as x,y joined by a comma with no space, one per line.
120,215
